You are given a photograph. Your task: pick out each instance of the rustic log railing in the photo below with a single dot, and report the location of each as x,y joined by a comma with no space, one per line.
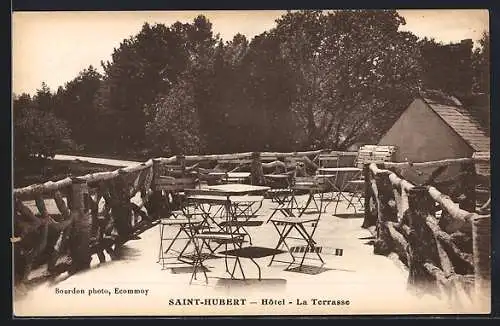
63,223
445,247
89,215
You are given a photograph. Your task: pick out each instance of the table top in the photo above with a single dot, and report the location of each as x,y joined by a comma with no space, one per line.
342,169
238,189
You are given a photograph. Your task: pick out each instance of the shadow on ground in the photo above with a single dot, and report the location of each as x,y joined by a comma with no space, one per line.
350,215
250,282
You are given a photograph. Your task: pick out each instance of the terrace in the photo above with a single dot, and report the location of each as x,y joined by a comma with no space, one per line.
351,272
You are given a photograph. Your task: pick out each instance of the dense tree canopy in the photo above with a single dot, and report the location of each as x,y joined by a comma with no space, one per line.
315,80
75,104
481,65
353,69
37,131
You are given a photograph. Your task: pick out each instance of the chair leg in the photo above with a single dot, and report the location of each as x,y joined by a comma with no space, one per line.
160,252
198,262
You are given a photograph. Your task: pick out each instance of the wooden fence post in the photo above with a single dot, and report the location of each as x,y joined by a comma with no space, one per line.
469,187
156,199
181,160
80,232
422,247
387,208
386,212
257,173
481,248
122,210
370,218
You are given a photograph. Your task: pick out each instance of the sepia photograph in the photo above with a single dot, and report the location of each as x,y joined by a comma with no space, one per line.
251,162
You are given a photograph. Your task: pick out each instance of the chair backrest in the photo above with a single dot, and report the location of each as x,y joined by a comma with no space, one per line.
172,170
347,159
317,185
173,184
328,160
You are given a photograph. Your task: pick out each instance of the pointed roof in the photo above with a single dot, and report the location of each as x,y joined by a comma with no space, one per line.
463,120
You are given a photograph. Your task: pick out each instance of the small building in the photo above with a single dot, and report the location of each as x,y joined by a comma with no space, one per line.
437,126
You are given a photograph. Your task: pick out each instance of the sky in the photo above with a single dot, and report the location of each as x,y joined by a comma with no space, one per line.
53,47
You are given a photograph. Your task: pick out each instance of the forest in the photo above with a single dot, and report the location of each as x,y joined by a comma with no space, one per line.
316,80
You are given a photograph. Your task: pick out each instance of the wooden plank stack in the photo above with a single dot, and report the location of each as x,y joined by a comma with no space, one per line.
375,154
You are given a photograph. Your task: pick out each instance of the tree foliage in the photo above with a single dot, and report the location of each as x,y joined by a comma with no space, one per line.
37,131
354,72
315,80
481,65
75,104
175,128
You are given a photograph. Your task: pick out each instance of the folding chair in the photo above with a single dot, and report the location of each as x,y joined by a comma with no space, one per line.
357,190
202,241
227,234
366,154
300,223
186,219
188,226
243,211
329,160
304,184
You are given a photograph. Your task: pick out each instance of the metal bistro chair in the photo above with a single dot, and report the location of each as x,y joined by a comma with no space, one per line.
305,225
329,160
280,181
188,220
366,154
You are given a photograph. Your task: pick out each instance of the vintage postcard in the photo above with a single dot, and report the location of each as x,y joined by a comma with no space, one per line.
229,163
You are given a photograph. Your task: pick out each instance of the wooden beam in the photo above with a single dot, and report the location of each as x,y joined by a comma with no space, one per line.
50,186
433,163
459,218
